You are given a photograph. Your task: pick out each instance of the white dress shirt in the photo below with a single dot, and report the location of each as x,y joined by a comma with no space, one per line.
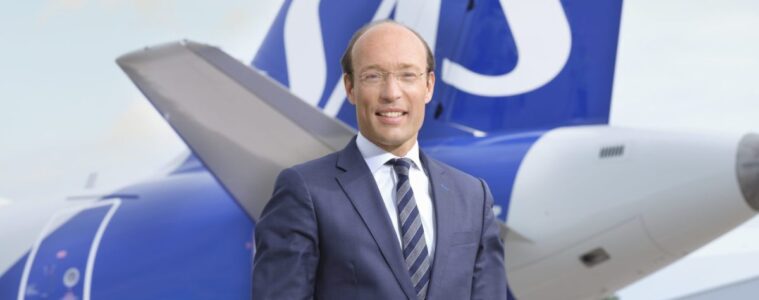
376,159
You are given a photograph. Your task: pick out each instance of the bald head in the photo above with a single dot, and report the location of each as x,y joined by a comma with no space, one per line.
389,31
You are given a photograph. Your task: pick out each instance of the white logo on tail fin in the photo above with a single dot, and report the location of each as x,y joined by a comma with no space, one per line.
304,51
543,41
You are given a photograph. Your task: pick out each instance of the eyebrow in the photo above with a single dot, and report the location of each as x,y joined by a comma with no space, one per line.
377,67
370,67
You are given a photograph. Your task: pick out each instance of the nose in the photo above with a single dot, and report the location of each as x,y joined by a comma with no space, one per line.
390,89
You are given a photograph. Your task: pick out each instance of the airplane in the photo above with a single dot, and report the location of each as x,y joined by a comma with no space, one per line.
522,100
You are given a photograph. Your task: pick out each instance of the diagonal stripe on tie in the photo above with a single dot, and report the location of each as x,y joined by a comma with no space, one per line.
415,251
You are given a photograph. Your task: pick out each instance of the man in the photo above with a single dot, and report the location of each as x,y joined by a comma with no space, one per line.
379,219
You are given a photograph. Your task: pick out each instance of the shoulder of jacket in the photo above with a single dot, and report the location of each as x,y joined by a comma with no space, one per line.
454,172
316,167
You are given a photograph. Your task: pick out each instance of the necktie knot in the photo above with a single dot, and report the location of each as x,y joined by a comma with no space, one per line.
401,165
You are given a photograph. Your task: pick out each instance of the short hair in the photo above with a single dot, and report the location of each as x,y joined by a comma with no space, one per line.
347,60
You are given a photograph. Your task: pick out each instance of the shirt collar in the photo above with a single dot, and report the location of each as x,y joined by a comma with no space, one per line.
376,157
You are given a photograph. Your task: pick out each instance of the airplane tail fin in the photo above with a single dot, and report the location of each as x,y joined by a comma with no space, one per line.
502,65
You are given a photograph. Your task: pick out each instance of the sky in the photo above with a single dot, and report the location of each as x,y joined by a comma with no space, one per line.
688,65
68,111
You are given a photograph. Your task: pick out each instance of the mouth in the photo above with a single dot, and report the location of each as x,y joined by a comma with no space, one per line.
391,117
391,114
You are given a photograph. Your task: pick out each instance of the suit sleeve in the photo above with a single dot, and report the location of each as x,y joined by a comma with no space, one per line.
286,238
489,280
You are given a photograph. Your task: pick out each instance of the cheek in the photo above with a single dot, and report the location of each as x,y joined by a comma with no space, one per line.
419,107
363,104
363,111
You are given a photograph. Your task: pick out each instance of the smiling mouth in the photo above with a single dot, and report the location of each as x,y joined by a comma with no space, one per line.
391,114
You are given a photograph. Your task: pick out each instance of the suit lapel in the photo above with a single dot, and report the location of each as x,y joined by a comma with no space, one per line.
358,184
442,193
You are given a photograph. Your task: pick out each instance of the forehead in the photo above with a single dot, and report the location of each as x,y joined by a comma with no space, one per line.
388,46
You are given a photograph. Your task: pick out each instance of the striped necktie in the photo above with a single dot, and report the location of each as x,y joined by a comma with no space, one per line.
412,232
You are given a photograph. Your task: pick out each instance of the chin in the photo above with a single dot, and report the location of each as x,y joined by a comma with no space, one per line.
394,142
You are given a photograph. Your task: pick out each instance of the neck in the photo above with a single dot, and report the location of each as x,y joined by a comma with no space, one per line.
399,150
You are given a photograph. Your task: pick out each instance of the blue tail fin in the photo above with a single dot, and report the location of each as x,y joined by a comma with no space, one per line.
502,65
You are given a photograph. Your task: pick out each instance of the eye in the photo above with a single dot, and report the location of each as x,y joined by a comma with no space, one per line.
408,76
371,77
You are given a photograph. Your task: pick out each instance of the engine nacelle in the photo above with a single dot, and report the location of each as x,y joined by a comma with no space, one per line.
596,208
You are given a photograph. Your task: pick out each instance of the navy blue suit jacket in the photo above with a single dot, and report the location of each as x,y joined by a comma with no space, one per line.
326,234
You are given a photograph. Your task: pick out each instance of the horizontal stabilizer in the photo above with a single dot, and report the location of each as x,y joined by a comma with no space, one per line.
242,125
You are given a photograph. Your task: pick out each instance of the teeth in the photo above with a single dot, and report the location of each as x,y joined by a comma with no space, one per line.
391,114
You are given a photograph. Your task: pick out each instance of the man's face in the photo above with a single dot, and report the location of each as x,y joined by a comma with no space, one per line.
390,108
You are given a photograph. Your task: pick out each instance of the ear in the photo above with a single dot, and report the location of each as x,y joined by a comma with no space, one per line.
430,87
348,84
